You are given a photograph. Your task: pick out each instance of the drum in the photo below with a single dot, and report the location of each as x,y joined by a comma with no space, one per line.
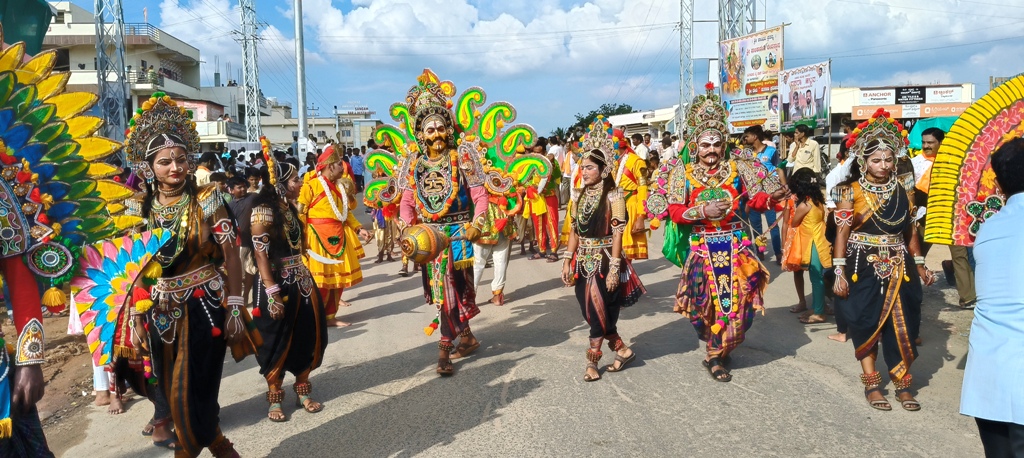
423,243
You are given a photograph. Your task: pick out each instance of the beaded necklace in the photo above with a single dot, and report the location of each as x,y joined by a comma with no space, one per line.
877,198
341,215
587,207
293,231
708,179
173,217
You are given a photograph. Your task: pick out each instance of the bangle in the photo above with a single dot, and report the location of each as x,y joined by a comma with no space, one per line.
839,271
236,301
272,290
838,262
919,260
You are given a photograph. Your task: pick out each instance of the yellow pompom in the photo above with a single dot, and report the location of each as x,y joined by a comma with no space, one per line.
476,113
904,132
501,124
6,428
854,278
153,270
144,305
520,149
716,328
428,330
54,298
655,224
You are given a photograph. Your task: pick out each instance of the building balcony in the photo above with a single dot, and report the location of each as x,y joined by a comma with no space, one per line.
135,35
145,83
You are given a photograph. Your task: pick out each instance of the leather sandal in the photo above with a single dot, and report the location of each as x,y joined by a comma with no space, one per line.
589,378
720,375
276,398
462,350
910,405
445,367
622,362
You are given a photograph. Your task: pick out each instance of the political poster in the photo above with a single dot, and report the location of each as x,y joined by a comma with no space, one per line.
749,73
804,94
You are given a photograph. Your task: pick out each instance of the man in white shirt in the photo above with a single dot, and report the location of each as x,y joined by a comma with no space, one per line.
820,87
638,146
558,151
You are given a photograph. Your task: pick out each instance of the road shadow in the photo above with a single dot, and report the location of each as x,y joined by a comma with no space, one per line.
419,418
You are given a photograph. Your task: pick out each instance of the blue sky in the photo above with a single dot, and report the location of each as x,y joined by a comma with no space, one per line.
552,59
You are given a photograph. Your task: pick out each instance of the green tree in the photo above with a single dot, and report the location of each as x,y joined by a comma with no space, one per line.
607,109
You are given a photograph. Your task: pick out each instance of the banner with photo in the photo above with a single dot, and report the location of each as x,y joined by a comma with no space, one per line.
804,94
749,69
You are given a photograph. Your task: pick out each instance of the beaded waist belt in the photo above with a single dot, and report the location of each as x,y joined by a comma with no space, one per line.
726,228
590,243
292,269
876,240
181,283
452,218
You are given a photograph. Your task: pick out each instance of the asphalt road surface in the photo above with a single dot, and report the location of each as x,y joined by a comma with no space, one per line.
794,392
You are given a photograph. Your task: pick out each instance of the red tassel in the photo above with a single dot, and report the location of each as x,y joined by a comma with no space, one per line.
34,195
256,313
43,219
216,332
199,293
499,224
7,159
140,294
24,176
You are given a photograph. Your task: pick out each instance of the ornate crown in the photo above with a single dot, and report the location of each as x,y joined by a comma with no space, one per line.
882,127
600,137
159,116
705,113
430,96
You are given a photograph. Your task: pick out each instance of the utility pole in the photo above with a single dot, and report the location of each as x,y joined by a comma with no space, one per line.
250,69
314,112
110,68
685,60
300,67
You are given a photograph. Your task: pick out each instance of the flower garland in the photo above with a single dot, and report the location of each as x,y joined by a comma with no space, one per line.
342,215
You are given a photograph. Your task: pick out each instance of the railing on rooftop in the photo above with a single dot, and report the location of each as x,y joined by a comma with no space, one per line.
144,29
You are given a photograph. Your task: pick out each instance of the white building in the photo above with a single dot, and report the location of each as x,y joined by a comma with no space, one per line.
652,122
174,63
350,128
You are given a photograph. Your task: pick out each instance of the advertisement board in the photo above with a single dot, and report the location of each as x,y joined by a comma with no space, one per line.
749,75
804,94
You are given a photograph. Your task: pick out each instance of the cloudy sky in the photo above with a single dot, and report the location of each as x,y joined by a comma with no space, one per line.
554,58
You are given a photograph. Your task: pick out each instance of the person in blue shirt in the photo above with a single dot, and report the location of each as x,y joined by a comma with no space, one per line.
992,392
753,138
356,161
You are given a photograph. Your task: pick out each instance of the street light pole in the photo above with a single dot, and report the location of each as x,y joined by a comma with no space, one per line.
300,78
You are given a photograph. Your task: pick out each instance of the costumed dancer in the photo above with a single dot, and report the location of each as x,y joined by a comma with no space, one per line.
196,312
443,169
631,178
542,208
722,281
333,234
53,198
445,192
594,261
495,243
875,253
287,309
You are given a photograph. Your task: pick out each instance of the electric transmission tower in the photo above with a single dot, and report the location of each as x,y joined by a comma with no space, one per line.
250,69
110,68
735,18
685,58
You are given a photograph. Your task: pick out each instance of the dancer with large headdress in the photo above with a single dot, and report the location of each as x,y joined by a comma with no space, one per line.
333,234
287,309
875,255
194,311
723,282
444,167
595,262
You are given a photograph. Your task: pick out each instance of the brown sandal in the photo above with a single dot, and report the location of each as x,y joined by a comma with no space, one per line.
303,390
275,398
589,378
445,367
462,350
622,362
872,384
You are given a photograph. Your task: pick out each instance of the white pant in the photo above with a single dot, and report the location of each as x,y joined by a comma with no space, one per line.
499,252
100,378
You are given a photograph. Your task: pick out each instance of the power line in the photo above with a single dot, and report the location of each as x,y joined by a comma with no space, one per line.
929,10
912,50
620,79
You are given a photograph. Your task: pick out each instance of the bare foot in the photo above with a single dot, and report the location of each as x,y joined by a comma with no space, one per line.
838,337
344,304
116,406
336,323
102,398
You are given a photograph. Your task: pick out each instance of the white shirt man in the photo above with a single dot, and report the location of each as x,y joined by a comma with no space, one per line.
638,146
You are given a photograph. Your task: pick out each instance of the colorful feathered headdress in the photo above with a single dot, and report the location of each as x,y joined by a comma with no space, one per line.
882,127
706,113
600,136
